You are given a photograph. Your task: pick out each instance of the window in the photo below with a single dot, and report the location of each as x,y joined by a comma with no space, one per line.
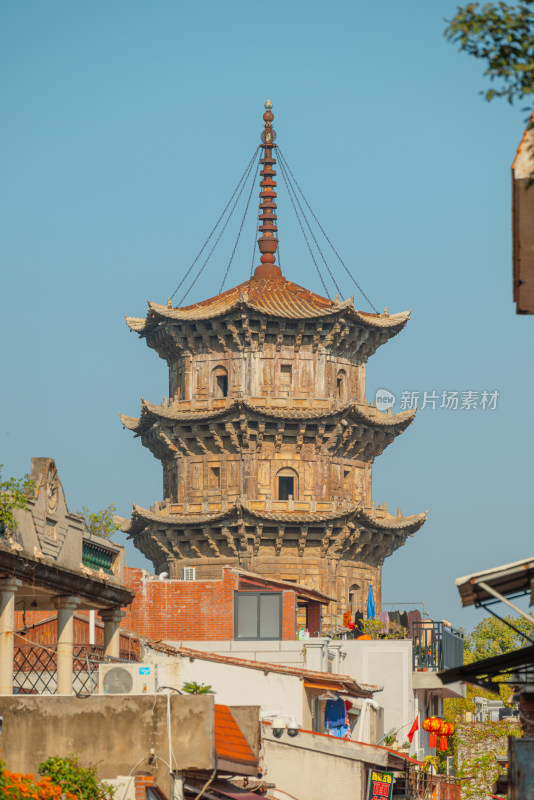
214,477
188,573
258,615
285,375
287,484
340,384
220,382
353,594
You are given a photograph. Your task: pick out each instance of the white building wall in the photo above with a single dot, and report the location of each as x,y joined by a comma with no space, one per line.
290,653
386,663
234,685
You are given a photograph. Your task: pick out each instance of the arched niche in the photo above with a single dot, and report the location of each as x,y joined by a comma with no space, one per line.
341,385
219,382
354,596
287,484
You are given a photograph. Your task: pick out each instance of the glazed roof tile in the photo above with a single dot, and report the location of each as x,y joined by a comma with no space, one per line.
230,743
275,297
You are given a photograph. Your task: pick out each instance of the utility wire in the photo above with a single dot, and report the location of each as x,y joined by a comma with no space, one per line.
254,248
241,226
325,235
249,169
282,170
312,233
217,223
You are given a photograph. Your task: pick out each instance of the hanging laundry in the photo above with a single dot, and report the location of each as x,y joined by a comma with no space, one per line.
403,619
335,713
358,623
342,732
384,617
413,616
335,718
347,619
394,616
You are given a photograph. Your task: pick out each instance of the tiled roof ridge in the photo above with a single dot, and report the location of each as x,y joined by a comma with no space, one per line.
290,585
230,743
364,412
275,297
202,655
389,522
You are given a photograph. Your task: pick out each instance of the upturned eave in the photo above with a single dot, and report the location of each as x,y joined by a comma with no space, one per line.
142,517
365,413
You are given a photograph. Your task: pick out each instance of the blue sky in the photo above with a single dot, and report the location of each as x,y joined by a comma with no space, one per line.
126,126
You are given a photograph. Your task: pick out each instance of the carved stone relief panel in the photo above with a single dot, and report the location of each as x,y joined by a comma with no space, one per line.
170,481
309,475
264,474
237,376
233,475
196,476
52,492
267,374
305,376
201,369
337,479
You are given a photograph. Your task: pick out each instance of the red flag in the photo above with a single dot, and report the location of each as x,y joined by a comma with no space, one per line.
413,729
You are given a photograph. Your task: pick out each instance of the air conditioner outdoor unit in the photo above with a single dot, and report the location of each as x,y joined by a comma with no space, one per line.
126,679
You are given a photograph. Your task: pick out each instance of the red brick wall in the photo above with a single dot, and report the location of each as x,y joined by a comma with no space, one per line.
192,610
289,615
188,610
141,782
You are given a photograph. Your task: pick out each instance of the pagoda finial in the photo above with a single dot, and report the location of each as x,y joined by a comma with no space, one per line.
268,242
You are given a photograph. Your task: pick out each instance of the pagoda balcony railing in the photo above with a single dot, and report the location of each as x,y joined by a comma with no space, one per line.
436,646
267,400
308,506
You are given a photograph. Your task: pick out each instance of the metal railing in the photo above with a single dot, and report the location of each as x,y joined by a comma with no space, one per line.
436,646
35,668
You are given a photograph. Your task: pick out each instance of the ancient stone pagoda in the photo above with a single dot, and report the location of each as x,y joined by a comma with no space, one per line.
267,442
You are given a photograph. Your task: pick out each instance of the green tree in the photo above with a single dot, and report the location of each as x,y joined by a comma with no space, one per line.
502,35
191,687
100,523
14,493
83,782
491,637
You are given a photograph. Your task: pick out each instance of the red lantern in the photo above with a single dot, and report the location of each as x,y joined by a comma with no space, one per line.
432,725
447,729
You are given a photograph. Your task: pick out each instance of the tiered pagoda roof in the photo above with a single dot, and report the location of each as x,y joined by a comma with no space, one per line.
273,296
290,406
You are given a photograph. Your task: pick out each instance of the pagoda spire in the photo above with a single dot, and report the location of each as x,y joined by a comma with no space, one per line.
268,242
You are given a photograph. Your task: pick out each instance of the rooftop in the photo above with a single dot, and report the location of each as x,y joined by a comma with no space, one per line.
348,684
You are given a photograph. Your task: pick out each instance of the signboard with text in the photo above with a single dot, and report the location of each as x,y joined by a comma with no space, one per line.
380,785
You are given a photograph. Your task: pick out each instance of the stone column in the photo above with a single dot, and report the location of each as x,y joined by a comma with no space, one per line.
112,620
8,588
65,642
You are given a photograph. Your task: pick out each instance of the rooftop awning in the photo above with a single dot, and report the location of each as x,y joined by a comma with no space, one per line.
481,672
333,687
507,580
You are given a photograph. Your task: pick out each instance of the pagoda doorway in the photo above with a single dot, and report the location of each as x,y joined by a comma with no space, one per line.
287,484
220,382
